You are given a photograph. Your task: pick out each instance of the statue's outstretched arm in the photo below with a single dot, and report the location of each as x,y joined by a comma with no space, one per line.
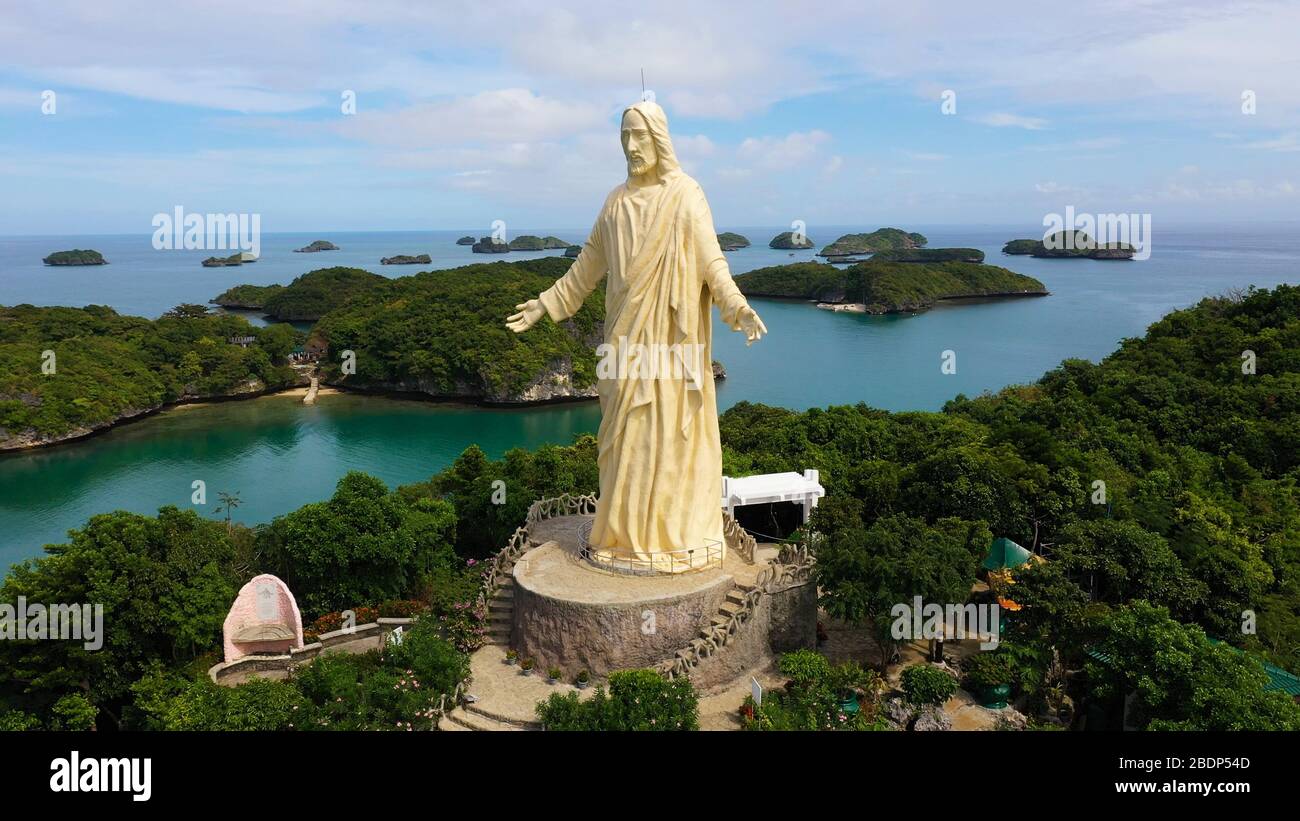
563,299
731,303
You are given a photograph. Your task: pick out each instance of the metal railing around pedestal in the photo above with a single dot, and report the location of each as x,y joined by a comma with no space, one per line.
667,562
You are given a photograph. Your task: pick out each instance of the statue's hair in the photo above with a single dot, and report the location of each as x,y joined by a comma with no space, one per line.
657,121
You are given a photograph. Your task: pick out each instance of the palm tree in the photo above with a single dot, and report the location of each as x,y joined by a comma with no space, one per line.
229,501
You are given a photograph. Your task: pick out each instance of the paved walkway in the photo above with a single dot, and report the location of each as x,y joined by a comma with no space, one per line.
502,697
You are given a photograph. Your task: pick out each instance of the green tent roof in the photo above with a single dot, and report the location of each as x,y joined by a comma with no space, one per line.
1278,679
1005,553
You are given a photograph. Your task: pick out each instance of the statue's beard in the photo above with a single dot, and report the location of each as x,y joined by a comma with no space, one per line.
639,167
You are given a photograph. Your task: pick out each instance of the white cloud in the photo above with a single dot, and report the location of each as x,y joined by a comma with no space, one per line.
1284,142
503,116
925,156
1002,119
792,151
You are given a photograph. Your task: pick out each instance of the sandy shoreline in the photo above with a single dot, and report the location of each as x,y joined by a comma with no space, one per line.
297,391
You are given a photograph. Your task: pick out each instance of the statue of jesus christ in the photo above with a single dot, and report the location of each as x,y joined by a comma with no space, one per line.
660,455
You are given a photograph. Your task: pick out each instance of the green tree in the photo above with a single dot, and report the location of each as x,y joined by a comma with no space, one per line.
1183,681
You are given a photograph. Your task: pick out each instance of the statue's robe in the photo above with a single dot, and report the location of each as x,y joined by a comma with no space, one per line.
660,454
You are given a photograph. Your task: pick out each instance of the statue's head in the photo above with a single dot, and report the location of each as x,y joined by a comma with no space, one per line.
638,144
646,144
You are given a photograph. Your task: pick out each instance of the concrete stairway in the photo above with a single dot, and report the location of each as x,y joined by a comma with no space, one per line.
467,718
504,699
501,613
734,602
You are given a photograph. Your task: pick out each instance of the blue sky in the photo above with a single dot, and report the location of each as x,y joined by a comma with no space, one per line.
471,112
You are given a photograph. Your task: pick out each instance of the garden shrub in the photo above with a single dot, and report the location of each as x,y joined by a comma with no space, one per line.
924,684
637,700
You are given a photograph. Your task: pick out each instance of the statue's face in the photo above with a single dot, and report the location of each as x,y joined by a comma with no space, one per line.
638,145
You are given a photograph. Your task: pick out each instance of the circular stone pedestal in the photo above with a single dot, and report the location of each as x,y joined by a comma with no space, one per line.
573,615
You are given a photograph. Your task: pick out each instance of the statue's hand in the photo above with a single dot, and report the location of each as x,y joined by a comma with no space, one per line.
751,325
529,313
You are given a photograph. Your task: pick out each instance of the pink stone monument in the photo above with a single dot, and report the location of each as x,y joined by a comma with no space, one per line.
263,619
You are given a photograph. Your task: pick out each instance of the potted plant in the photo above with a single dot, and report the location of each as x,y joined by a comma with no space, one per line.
512,657
553,675
747,710
989,675
851,684
583,679
526,667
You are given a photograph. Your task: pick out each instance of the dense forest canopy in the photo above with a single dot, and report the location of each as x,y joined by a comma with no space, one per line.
446,330
886,286
106,365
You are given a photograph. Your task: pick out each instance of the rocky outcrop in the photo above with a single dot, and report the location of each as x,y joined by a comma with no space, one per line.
730,241
489,245
75,257
318,245
405,259
467,240
1062,245
527,242
882,239
572,251
222,262
786,241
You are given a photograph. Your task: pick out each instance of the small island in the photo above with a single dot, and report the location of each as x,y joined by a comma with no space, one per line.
572,251
1061,245
883,239
490,245
466,240
75,257
318,245
730,241
222,262
528,242
405,259
886,287
786,241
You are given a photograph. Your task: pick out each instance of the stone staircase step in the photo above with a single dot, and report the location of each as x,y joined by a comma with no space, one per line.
735,596
447,725
478,721
730,607
507,722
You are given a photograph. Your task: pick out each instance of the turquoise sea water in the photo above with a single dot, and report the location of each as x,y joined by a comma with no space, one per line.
279,454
